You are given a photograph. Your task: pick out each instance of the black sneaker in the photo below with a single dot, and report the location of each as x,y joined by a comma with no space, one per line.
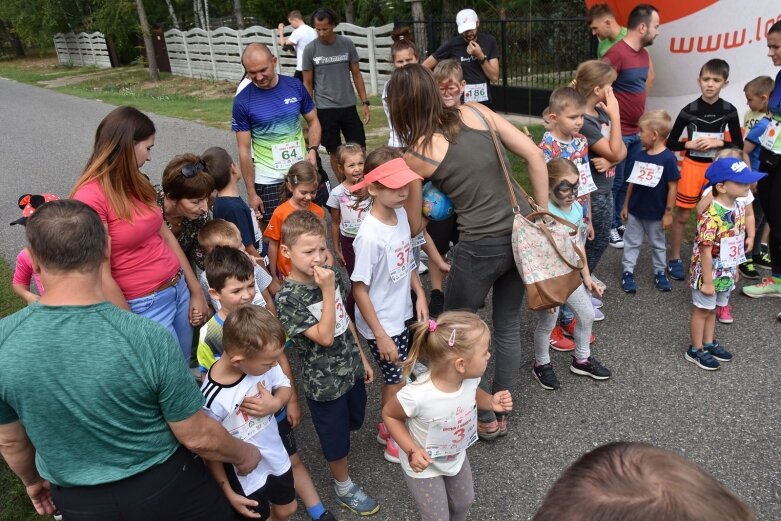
701,358
591,367
748,270
326,516
762,260
718,352
437,304
546,377
621,229
616,240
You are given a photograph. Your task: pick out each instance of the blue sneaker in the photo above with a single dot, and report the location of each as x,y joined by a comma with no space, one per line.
702,359
662,284
358,502
718,352
675,269
628,282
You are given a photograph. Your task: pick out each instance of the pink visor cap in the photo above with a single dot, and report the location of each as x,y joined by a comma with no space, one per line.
393,174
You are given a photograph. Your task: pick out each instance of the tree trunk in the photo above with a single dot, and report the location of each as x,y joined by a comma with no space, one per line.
198,15
349,11
154,73
206,14
174,19
237,14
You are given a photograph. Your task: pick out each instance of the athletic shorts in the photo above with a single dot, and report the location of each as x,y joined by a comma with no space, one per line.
691,183
334,419
443,233
337,122
391,372
703,301
278,490
270,195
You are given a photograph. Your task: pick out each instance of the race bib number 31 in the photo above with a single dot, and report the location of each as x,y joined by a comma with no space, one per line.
646,174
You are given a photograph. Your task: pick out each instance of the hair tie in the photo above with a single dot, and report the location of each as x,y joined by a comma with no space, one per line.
401,37
452,340
432,326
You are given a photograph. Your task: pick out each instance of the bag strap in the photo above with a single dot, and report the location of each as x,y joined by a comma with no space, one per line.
546,232
509,181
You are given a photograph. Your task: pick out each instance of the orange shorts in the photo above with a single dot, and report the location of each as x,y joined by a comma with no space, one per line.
691,183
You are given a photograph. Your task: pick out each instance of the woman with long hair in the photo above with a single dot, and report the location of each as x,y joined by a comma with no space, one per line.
452,147
147,273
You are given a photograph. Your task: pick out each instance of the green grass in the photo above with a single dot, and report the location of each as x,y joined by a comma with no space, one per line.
14,503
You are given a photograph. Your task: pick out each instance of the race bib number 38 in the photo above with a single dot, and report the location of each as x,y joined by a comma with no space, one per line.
732,251
646,174
286,154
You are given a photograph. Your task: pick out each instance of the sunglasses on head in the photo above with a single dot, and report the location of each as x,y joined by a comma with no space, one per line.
191,169
564,188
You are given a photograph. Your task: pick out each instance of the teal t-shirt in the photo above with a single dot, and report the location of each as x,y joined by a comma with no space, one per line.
94,387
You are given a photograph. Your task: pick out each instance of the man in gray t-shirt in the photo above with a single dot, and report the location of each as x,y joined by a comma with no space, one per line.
328,63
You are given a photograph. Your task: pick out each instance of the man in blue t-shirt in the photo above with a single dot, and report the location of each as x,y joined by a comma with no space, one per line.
96,401
267,114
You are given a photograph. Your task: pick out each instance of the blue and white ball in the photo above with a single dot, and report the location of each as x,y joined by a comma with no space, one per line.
436,205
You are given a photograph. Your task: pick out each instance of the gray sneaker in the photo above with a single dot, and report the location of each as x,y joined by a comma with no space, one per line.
358,502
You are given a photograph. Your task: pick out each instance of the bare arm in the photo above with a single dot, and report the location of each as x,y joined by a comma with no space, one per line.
430,62
672,191
244,143
19,453
308,82
395,419
314,134
491,69
111,289
25,293
323,332
198,306
209,440
336,219
355,69
649,82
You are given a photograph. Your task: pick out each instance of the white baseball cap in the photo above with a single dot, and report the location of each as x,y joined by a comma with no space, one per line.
466,20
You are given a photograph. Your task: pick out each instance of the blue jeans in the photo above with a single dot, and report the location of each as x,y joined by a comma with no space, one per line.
619,182
171,309
477,267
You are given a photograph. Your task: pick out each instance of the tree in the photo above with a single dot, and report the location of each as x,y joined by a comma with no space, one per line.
237,14
154,72
174,19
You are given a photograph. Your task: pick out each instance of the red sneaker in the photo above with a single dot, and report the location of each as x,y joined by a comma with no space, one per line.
558,342
724,314
569,330
382,434
392,451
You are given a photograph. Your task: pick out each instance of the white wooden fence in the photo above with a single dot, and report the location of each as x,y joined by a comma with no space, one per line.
84,50
217,54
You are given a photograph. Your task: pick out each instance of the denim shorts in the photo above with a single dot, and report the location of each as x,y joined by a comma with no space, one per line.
171,309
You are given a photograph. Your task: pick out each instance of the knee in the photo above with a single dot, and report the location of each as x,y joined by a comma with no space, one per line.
284,511
462,502
682,215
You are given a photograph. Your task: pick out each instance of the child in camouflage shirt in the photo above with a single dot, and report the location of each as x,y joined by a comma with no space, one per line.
311,308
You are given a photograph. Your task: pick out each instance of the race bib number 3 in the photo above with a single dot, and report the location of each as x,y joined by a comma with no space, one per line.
476,92
586,184
342,320
453,435
646,174
286,154
732,251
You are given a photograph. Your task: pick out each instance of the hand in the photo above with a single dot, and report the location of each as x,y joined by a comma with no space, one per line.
387,349
261,405
275,286
250,460
625,214
421,307
502,401
707,289
368,372
199,310
590,232
601,164
610,106
294,412
749,244
710,143
418,459
254,201
41,498
324,278
593,288
443,266
366,115
473,49
243,505
311,156
667,221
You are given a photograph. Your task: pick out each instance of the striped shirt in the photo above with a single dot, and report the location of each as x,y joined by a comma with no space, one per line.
632,68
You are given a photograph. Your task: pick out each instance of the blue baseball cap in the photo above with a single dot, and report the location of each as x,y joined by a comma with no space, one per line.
731,169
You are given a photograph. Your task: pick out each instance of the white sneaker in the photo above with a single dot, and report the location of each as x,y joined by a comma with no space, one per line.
616,241
422,268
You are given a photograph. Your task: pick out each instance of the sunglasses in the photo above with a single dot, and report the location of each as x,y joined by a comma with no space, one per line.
564,189
192,169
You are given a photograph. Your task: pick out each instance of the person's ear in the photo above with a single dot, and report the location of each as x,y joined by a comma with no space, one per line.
284,250
214,294
35,264
460,365
236,359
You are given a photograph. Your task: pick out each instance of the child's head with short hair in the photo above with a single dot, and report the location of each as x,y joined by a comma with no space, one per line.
253,339
567,107
630,480
758,92
302,181
450,78
714,76
717,67
304,243
231,277
350,160
456,340
655,126
219,232
220,166
729,152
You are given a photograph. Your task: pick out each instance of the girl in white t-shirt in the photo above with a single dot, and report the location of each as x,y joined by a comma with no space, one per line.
434,419
385,272
347,210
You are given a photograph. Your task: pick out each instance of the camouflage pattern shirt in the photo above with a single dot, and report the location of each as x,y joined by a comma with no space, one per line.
328,372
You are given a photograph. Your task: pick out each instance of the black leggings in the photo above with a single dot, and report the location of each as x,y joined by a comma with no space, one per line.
181,488
769,190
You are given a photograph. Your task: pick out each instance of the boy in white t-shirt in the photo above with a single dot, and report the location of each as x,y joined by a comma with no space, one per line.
300,37
243,390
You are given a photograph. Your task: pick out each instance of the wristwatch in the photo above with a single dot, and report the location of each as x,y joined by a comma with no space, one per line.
483,60
366,102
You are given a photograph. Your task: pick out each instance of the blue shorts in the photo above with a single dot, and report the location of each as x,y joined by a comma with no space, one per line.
288,438
391,372
334,419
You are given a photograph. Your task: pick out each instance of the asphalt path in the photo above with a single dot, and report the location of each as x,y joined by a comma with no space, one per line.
726,421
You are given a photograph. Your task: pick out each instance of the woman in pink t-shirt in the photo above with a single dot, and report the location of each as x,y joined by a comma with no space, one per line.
148,273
